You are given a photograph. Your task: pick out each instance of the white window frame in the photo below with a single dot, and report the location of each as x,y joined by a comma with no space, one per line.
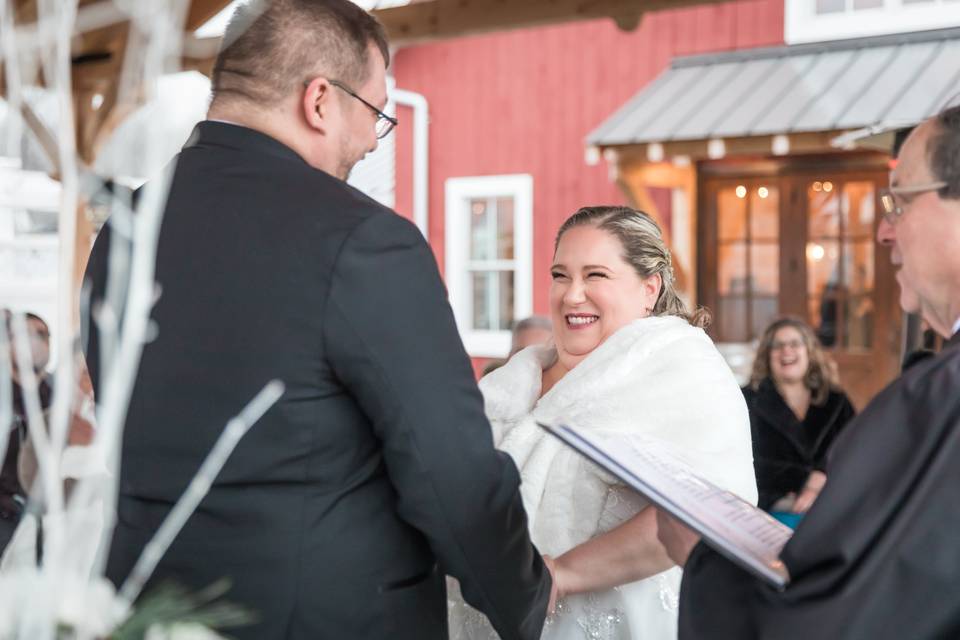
459,193
20,189
803,24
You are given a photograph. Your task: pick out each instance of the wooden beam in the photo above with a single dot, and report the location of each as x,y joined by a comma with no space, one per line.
755,146
199,53
43,136
201,11
436,19
25,11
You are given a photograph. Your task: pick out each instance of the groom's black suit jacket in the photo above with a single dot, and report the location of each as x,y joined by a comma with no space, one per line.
340,511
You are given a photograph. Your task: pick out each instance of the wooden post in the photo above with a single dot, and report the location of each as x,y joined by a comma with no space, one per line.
95,90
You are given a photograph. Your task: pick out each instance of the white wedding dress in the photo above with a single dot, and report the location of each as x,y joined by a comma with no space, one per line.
657,378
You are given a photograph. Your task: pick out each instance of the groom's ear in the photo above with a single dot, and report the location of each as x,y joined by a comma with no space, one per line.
316,103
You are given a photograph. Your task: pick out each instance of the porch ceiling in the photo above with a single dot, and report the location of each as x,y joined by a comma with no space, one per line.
102,25
870,84
102,29
423,20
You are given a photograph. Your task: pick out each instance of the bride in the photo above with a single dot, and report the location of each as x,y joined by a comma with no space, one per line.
628,358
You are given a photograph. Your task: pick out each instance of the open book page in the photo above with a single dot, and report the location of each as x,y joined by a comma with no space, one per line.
737,529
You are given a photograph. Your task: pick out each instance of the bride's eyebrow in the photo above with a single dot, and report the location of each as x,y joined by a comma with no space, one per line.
558,266
588,267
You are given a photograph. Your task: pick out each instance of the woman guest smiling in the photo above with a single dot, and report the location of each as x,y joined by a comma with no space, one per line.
796,412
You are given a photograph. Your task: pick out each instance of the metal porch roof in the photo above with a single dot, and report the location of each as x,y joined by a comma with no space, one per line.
877,83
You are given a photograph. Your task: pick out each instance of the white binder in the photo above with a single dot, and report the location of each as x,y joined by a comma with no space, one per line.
740,531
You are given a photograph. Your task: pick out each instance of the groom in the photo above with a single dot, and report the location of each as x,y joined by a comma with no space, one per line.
341,511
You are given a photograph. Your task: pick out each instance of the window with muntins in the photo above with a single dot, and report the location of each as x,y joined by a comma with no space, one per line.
822,20
489,223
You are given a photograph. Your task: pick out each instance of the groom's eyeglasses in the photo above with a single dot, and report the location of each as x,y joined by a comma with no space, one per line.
385,124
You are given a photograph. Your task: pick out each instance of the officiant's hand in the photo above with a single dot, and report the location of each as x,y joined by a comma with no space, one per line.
554,584
676,538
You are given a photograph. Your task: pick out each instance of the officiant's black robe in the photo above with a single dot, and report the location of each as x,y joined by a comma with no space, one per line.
878,555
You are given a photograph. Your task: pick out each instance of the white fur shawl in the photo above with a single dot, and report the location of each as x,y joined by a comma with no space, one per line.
657,378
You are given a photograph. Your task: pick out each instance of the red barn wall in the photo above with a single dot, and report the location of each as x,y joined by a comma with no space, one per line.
523,101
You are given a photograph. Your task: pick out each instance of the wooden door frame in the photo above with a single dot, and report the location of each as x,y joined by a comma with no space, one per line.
784,171
883,269
790,176
708,235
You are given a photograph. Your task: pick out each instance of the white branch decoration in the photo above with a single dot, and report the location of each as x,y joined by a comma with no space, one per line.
66,577
6,393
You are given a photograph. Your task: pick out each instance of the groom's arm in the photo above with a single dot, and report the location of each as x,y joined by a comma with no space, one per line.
392,341
717,598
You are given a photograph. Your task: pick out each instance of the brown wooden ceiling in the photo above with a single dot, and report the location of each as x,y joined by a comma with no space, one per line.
417,22
97,52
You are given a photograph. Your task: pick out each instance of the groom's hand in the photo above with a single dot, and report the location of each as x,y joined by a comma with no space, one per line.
554,585
675,537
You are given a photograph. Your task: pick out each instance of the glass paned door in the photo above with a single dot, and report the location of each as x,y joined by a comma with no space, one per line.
840,262
747,276
803,244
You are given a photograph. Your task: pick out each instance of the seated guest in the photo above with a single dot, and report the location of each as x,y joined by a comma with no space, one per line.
530,331
12,494
527,332
796,411
877,556
80,459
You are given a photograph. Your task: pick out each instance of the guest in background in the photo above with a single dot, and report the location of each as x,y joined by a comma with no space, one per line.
80,459
12,494
530,331
527,332
796,411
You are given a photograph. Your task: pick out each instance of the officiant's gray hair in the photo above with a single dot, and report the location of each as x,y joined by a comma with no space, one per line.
943,150
644,250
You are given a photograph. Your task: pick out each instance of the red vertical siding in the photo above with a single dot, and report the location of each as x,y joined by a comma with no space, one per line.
523,102
404,164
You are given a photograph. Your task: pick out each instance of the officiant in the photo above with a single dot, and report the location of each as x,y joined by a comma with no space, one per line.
877,556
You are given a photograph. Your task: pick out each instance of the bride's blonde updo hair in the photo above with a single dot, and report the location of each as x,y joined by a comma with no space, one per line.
643,249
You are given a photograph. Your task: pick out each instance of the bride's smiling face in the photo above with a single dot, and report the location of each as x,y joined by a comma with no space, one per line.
594,292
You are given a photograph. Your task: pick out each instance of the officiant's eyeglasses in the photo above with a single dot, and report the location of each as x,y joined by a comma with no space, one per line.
892,210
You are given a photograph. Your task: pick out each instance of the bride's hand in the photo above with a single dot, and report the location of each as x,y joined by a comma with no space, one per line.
675,537
555,592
